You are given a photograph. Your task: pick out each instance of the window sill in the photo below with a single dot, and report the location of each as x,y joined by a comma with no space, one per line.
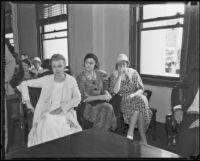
160,81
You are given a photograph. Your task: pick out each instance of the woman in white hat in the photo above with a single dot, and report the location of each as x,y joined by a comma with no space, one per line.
37,65
134,105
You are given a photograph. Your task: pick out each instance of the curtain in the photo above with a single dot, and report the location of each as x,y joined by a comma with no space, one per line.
190,76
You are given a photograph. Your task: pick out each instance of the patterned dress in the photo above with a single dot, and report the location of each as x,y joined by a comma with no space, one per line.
100,113
139,102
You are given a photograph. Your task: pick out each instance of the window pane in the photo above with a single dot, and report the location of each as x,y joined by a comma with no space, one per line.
163,23
56,34
11,41
156,10
9,36
161,52
55,26
56,46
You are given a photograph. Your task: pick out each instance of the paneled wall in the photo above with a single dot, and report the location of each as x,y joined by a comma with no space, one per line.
110,33
27,30
80,35
98,28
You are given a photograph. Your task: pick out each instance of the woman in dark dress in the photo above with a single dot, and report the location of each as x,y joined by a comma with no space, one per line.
94,94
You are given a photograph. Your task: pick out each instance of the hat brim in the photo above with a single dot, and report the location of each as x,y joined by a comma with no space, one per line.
36,61
122,61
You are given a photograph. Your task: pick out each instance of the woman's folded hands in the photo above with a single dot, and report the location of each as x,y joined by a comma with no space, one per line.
106,97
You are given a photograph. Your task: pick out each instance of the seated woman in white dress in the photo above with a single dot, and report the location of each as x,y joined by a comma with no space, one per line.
54,115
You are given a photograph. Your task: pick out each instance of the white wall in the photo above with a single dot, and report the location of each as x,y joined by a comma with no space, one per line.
80,35
99,28
27,29
160,100
110,33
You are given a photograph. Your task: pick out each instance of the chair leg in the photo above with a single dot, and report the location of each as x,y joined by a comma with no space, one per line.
119,125
169,130
154,127
22,123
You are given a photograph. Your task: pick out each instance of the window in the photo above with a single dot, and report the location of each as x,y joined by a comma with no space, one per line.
9,36
8,23
159,37
53,30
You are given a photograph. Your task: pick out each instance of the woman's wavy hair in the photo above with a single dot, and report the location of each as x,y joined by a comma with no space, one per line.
93,56
46,64
27,61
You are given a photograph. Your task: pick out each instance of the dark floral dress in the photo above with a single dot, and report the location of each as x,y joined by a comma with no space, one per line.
99,112
139,102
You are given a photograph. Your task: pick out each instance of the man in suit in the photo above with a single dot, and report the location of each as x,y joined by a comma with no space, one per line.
187,119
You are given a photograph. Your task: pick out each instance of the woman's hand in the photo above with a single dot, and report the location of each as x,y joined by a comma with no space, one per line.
107,96
99,97
88,99
30,106
132,95
178,115
120,72
56,111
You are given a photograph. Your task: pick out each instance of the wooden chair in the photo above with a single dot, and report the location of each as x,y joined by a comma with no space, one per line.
121,126
170,123
13,117
34,94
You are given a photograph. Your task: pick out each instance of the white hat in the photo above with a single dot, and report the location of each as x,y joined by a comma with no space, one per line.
122,57
37,59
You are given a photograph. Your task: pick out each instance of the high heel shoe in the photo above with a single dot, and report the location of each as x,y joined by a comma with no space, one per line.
129,137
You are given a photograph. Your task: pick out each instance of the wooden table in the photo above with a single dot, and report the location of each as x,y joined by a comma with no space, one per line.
92,143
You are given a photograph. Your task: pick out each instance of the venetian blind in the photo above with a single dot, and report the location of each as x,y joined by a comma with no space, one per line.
51,13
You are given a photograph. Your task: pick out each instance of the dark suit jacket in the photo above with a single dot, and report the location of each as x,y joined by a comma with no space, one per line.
176,98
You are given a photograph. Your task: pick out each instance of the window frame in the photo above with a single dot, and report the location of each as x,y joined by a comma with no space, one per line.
136,15
41,32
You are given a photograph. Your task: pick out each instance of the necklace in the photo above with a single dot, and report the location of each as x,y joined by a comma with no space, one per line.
90,76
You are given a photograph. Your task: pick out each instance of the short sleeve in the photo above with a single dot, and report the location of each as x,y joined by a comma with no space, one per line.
136,77
81,84
112,81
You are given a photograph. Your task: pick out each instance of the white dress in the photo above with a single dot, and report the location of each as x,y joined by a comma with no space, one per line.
52,126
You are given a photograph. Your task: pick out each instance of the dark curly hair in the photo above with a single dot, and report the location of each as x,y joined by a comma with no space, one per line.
93,56
27,61
46,64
